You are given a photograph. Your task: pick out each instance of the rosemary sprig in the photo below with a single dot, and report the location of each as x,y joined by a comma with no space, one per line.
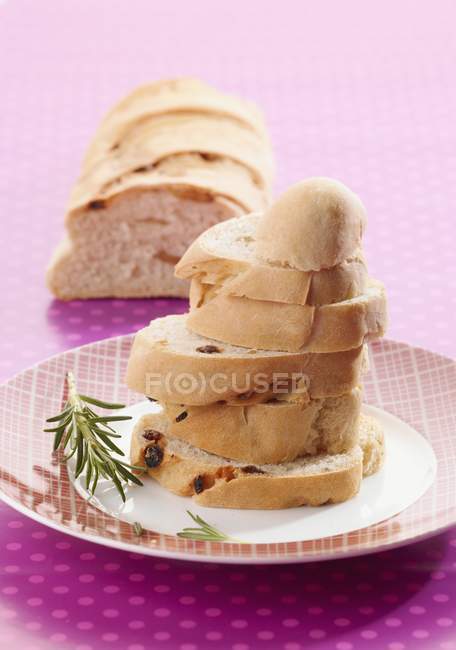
205,532
90,438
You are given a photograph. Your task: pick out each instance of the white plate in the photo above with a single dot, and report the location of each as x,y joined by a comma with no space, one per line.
381,496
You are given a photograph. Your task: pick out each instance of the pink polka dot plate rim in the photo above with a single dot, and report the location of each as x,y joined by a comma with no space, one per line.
413,384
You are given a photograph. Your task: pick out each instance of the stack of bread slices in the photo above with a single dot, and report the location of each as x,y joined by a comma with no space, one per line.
167,162
260,384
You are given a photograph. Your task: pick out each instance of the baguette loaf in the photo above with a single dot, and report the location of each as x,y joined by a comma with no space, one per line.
171,364
224,255
279,326
218,482
162,167
273,432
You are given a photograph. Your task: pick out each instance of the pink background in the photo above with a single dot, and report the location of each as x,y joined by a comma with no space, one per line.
358,90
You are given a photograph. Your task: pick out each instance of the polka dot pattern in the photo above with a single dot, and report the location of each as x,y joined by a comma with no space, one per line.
111,610
380,119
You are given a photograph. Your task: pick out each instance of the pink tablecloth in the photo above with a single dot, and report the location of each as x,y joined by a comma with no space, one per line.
361,91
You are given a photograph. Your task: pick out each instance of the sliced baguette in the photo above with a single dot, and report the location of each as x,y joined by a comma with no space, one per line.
224,255
171,364
278,326
161,169
215,481
274,432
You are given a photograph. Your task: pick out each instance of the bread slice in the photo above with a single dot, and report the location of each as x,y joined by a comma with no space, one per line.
171,364
151,183
128,247
279,326
273,432
218,482
224,255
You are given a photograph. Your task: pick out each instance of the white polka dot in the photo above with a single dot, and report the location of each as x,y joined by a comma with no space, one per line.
441,598
162,612
213,612
187,624
136,625
239,623
110,613
39,534
34,602
86,578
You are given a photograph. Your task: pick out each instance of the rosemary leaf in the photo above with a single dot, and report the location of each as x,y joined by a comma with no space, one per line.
109,418
100,403
96,474
58,438
110,444
60,416
88,475
119,487
128,476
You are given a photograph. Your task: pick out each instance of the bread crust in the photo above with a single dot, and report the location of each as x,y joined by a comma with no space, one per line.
314,225
173,135
216,482
271,325
156,353
169,96
204,181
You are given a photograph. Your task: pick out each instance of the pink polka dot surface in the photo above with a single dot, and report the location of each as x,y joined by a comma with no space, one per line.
367,96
